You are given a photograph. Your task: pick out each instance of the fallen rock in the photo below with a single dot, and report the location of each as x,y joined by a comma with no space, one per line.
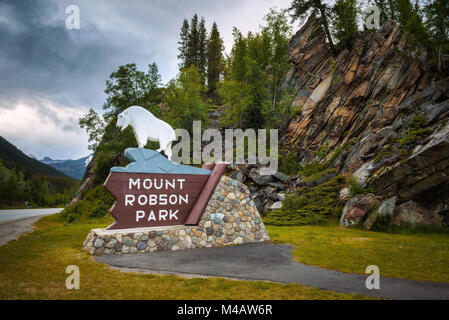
386,210
239,176
412,213
345,195
259,179
356,209
278,185
276,206
281,176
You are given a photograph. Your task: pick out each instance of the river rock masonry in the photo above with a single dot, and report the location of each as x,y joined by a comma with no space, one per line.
231,218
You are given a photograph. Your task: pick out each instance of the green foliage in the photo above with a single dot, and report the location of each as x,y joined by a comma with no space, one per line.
437,23
385,152
95,126
128,86
252,88
234,95
412,136
312,206
183,97
409,17
297,111
183,44
20,187
193,46
425,23
289,163
418,128
387,10
95,203
15,159
214,61
301,8
383,225
344,19
356,188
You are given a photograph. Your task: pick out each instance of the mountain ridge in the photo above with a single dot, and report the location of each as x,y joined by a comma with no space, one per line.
72,168
13,156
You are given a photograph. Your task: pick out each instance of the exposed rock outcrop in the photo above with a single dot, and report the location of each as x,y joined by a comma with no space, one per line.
380,113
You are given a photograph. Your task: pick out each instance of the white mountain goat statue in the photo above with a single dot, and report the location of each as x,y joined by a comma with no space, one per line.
147,127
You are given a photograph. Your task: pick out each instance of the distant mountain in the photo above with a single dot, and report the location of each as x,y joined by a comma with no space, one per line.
72,168
13,157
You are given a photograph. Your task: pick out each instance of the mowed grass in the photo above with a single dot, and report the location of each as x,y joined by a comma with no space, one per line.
413,256
33,267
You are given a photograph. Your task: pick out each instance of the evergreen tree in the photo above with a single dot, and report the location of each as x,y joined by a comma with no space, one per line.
202,50
409,18
301,8
238,60
437,13
193,43
183,96
344,19
214,60
253,83
384,10
183,44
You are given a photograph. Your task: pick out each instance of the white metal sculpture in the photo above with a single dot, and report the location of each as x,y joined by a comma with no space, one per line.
147,127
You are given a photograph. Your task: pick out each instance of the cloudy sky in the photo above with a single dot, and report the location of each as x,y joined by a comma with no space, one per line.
50,76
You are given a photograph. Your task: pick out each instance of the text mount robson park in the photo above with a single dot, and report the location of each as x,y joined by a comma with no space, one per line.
161,205
160,199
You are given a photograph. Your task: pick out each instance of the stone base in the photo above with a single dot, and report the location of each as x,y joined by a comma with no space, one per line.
231,218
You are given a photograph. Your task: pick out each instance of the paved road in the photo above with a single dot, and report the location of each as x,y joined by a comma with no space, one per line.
14,223
272,262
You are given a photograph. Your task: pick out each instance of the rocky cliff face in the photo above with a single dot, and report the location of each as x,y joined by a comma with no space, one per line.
382,117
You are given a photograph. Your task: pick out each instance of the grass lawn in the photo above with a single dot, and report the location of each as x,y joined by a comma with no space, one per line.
412,256
33,267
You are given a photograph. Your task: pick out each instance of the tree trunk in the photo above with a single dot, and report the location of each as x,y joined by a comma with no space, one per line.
326,28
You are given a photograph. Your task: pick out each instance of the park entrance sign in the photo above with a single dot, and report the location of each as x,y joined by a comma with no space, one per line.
161,205
155,192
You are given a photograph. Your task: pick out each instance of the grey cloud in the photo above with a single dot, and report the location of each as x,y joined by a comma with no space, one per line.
39,57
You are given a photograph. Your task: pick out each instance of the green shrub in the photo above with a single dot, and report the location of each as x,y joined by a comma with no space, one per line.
289,164
384,153
356,188
95,203
316,176
418,128
310,206
414,135
297,111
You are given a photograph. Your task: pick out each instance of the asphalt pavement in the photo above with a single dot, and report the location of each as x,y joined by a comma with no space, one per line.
272,262
14,223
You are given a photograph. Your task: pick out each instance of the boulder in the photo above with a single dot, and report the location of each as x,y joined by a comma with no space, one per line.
362,174
239,176
356,209
281,176
261,180
412,213
386,210
426,168
345,195
276,206
278,185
